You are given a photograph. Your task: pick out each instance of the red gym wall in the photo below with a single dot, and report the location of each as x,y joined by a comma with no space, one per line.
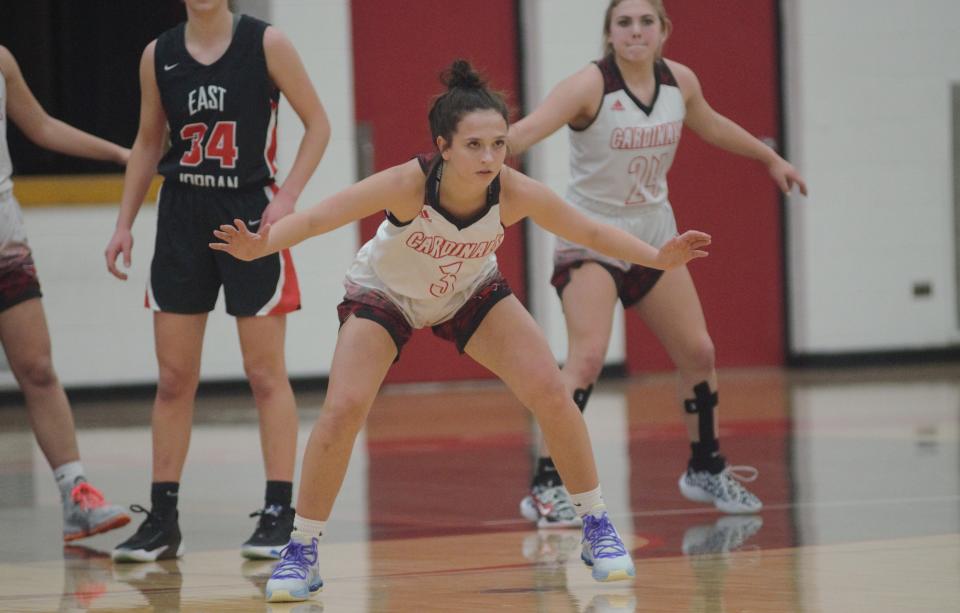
734,50
399,50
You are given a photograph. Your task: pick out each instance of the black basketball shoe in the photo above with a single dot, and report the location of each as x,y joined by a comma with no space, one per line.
271,535
157,538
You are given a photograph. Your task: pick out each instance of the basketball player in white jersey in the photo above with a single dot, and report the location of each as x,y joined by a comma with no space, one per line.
432,263
23,325
625,114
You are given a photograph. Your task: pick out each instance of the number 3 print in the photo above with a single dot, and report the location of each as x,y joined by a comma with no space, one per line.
448,279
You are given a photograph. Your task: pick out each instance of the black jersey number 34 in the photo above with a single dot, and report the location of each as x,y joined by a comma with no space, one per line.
221,145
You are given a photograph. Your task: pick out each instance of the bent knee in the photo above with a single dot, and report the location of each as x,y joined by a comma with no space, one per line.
346,412
37,373
698,355
176,383
585,366
545,392
265,380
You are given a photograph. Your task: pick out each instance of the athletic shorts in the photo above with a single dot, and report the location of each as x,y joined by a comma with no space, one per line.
186,274
377,307
654,224
18,275
632,285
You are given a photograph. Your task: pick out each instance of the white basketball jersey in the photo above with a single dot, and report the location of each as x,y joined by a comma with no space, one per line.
430,266
6,166
622,157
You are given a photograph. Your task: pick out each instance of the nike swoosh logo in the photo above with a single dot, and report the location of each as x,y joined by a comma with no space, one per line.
253,223
171,66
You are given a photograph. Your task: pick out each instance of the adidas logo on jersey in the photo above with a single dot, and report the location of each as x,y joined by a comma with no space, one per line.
617,106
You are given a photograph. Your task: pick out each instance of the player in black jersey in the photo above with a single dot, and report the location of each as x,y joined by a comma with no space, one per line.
216,80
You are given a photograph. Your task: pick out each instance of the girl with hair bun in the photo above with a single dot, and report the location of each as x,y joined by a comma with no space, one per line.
432,264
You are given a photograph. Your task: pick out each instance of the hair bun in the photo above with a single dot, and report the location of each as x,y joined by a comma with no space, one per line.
461,75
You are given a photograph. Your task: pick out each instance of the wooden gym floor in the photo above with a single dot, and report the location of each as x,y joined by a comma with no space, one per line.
859,470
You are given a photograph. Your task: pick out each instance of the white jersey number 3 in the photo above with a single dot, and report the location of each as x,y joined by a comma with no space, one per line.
447,280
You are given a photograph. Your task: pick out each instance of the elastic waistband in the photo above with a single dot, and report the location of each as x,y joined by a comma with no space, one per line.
173,183
611,210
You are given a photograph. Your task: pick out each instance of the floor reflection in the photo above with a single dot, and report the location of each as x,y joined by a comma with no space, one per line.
859,473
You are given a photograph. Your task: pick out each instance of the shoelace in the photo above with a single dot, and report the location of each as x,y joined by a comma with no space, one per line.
732,474
268,517
746,474
149,521
602,536
295,561
87,496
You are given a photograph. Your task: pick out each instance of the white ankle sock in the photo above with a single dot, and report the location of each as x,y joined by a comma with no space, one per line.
67,476
589,502
310,527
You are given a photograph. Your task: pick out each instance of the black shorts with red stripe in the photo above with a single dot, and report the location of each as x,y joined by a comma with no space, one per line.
377,307
632,285
186,275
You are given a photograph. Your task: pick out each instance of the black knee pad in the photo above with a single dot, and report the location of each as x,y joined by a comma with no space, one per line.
702,404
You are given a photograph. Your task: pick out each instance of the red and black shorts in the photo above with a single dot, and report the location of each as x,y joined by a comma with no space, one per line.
632,285
18,279
186,275
378,308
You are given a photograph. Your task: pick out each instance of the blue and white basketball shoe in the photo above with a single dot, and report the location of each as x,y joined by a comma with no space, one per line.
603,550
297,576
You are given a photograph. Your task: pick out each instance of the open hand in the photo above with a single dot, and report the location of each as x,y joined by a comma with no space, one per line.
240,242
786,176
681,249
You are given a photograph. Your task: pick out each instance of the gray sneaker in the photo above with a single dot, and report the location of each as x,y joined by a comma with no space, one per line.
550,507
86,513
722,489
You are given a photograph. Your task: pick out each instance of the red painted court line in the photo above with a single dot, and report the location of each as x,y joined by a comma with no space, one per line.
512,440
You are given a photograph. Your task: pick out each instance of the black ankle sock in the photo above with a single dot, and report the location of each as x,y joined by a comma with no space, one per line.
164,496
706,456
546,474
279,493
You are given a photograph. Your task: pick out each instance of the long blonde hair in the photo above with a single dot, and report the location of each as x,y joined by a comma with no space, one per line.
666,26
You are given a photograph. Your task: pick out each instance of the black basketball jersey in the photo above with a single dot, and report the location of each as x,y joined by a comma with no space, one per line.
222,116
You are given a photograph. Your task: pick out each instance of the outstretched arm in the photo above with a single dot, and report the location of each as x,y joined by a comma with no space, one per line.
46,131
724,133
401,187
525,197
573,100
287,72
